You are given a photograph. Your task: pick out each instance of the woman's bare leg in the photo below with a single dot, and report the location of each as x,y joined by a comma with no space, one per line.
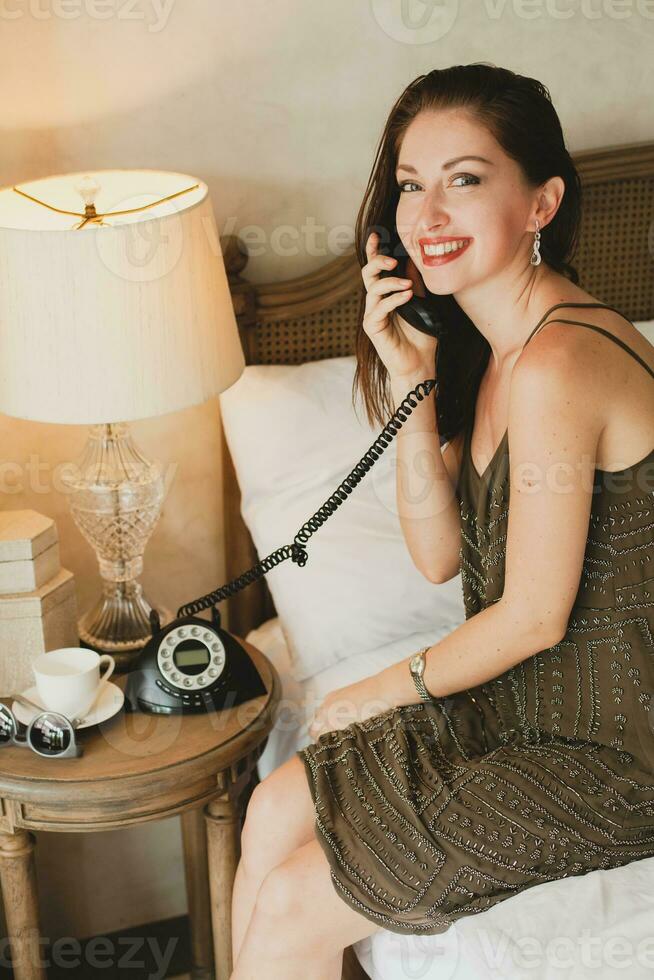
300,925
280,818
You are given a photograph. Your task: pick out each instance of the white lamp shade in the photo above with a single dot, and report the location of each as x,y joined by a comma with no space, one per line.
118,322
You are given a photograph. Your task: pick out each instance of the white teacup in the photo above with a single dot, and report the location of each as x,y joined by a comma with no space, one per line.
69,680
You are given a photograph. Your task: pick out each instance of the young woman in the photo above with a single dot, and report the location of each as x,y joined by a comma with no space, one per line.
532,757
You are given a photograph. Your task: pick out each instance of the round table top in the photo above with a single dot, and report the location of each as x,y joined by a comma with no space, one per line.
133,747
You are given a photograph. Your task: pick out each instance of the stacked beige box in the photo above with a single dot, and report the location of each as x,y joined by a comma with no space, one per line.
38,608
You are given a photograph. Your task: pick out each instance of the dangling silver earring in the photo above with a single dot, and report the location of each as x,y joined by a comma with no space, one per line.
535,255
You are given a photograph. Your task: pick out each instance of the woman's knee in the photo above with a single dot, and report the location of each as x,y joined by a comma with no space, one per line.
279,915
288,901
258,816
278,896
279,818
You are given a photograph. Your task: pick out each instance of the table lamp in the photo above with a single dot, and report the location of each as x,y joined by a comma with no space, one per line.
114,306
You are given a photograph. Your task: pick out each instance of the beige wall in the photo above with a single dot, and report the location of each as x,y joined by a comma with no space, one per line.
278,106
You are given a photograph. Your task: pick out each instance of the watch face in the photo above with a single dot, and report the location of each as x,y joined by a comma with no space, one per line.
416,662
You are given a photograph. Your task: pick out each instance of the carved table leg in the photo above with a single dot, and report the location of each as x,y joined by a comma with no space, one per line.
223,839
18,877
196,867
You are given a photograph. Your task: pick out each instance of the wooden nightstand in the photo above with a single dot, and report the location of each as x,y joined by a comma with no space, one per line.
137,768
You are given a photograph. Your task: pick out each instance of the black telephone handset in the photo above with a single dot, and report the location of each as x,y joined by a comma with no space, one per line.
417,311
193,665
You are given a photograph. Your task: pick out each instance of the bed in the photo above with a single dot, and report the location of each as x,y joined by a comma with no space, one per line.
335,621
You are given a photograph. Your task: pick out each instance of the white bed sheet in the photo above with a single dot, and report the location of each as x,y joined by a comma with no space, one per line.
596,926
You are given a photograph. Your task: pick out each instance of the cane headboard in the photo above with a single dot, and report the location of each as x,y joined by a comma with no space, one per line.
314,316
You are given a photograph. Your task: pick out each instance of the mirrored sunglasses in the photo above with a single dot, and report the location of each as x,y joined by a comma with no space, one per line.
49,734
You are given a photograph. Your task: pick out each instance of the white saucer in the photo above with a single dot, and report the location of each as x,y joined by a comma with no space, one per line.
108,704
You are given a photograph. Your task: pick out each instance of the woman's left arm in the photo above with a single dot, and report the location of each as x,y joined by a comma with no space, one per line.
555,423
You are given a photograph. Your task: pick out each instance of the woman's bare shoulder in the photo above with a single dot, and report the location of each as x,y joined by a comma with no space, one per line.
574,325
599,375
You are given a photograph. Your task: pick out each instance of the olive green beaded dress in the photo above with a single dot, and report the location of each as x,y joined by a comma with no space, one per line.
434,811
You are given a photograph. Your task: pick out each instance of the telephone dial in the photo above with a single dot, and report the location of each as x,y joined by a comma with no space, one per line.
192,665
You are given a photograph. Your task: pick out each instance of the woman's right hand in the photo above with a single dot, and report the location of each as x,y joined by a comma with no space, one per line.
405,351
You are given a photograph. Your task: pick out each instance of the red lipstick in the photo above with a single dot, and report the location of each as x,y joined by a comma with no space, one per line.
435,260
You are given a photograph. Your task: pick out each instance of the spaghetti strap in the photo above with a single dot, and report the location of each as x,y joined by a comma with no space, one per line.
559,305
593,326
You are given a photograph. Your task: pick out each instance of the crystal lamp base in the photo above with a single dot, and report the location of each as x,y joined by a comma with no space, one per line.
119,623
115,499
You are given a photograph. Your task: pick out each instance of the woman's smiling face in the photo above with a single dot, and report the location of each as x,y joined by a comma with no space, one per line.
483,208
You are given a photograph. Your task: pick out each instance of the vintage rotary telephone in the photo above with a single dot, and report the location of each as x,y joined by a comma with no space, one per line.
193,665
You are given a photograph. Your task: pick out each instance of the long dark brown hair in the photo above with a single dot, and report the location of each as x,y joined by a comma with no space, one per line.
518,112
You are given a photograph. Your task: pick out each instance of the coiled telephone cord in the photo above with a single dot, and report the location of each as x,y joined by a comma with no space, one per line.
297,551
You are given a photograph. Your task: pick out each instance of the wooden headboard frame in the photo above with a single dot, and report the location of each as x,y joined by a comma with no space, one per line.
314,316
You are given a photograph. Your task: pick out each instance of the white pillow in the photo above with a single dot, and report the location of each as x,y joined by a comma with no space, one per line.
646,327
293,436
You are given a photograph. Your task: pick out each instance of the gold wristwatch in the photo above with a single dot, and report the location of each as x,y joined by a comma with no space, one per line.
417,668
